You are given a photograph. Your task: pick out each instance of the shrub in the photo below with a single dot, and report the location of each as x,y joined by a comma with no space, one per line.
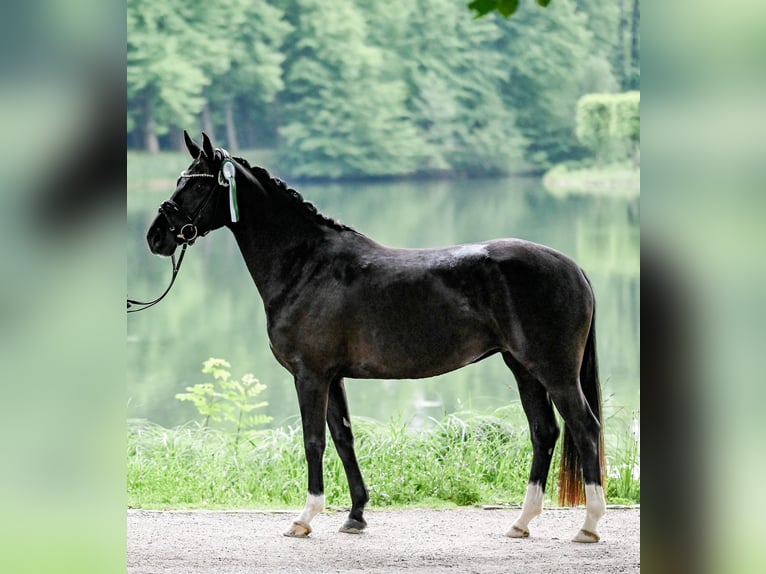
610,125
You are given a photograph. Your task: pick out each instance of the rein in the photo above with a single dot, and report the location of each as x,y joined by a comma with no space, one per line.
146,304
188,231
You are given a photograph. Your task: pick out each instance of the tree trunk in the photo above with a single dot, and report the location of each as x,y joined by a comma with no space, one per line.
249,135
151,142
176,138
207,122
276,110
635,55
231,129
620,59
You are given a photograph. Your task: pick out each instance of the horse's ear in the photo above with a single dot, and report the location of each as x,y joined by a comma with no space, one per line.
207,147
192,146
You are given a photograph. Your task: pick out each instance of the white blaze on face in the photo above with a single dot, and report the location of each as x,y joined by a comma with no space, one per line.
314,505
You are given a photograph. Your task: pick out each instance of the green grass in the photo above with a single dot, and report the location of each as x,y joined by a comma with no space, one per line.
621,179
463,459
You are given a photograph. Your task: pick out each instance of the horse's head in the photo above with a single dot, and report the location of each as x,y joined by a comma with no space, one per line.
199,203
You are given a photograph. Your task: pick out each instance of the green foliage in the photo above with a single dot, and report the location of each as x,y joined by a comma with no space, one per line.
546,53
454,74
610,124
182,57
603,22
624,462
226,399
626,124
598,77
341,116
594,119
164,79
359,88
255,37
504,7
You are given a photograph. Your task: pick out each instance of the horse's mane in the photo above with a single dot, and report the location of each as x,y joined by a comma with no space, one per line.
279,187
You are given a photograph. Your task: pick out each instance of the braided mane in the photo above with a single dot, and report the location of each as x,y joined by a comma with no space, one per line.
276,185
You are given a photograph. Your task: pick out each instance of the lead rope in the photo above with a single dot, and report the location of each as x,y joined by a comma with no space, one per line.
146,304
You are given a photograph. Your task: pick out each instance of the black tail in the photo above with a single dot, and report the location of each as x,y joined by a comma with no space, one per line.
571,490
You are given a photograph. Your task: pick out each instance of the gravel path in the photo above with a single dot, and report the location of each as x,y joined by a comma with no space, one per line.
462,540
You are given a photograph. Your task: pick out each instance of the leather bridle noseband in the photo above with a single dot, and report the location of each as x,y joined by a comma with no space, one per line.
184,225
187,229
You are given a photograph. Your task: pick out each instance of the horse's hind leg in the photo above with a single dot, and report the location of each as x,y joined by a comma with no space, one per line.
585,429
339,421
543,431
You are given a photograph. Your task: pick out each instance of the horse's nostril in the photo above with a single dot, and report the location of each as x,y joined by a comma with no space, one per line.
153,238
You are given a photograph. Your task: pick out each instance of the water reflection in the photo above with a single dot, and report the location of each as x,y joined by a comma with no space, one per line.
214,309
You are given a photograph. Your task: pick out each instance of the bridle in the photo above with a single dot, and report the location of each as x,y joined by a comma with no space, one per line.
187,231
184,225
187,228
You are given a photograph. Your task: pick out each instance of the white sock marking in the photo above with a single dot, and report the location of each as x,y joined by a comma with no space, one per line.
314,505
533,506
595,506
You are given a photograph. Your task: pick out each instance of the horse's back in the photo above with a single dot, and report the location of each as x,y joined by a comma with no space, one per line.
382,312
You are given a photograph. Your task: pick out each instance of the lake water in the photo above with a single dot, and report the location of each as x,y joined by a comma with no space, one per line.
214,309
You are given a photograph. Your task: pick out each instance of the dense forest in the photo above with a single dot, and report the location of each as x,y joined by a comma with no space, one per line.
362,88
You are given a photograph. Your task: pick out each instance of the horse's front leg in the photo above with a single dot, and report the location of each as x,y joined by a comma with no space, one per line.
339,421
312,398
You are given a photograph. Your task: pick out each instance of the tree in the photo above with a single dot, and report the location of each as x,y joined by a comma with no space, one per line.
610,125
241,95
164,84
594,119
634,78
342,116
626,122
174,49
603,18
546,54
453,73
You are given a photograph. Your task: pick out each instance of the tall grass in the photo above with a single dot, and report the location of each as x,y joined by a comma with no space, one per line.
623,460
462,459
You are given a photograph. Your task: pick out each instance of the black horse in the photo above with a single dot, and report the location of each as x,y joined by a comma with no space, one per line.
339,304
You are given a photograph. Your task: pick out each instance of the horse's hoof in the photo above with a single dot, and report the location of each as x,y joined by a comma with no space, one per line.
586,536
298,530
516,532
353,526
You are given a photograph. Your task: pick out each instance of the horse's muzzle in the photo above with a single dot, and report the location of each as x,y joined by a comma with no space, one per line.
161,240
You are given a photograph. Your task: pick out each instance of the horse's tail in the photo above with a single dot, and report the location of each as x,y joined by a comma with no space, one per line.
571,491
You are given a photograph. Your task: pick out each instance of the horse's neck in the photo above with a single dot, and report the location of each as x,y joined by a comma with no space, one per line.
272,242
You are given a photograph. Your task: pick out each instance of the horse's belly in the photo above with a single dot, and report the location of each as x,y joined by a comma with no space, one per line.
406,369
416,353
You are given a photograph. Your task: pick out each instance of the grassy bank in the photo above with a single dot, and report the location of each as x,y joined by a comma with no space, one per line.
463,459
621,179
